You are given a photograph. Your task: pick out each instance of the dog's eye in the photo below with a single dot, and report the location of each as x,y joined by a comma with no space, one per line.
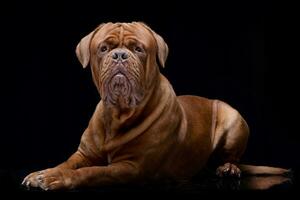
103,48
138,49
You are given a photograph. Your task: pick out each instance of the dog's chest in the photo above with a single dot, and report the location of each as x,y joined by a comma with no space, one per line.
112,156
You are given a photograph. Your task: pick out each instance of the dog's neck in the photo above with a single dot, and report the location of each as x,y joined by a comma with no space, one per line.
118,121
120,116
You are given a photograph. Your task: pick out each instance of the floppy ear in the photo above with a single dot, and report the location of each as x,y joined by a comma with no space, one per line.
83,47
162,47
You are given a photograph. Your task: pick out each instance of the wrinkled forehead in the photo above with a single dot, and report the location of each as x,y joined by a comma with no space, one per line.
125,31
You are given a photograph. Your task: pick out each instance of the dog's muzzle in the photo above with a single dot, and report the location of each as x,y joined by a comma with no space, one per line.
120,87
122,80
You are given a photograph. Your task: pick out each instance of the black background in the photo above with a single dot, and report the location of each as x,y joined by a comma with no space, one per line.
245,53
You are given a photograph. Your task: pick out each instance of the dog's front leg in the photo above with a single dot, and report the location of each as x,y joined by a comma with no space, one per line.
60,178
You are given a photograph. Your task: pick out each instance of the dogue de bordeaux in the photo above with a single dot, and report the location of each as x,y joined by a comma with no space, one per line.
141,131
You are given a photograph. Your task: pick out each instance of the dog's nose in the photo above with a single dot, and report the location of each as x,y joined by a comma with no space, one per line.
120,55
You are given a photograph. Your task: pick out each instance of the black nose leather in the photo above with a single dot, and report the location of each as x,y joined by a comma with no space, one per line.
120,55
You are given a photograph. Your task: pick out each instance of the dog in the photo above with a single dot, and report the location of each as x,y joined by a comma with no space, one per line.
141,131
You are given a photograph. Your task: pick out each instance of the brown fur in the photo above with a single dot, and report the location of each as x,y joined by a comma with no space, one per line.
155,136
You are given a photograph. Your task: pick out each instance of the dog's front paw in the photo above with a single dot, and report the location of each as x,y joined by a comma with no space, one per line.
51,179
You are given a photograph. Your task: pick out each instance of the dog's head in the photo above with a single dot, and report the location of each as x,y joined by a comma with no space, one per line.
124,58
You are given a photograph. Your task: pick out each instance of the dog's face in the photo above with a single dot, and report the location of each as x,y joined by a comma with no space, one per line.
124,58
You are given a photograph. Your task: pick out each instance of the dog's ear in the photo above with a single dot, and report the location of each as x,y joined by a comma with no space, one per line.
162,47
83,47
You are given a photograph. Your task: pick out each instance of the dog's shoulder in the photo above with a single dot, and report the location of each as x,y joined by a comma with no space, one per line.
195,101
197,106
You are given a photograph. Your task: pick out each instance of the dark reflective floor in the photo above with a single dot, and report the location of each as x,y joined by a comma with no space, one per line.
10,181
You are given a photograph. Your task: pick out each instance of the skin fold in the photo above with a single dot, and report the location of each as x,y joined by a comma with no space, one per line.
140,130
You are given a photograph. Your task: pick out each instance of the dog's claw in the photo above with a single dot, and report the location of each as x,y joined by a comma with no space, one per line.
232,171
27,184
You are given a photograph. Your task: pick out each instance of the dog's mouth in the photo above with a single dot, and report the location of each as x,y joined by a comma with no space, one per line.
122,88
119,84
